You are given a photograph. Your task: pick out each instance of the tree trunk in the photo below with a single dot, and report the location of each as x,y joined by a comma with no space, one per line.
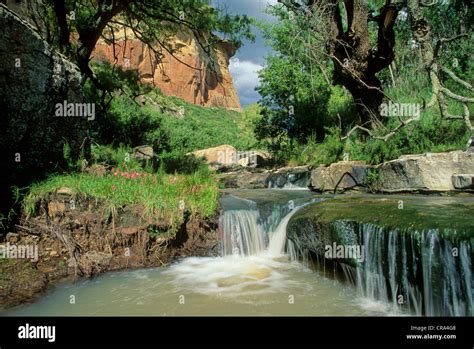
356,62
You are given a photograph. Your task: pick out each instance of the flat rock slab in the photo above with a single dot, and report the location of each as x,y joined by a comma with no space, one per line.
326,178
430,172
463,181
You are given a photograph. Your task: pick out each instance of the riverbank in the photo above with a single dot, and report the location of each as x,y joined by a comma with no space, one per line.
87,224
449,172
84,225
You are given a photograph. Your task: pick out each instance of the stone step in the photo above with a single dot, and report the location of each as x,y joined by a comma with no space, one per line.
463,181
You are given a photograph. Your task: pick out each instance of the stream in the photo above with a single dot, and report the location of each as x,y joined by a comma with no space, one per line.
255,275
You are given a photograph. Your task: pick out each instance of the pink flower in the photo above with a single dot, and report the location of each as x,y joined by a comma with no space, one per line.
114,187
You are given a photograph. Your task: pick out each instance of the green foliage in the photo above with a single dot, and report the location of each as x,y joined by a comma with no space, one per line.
295,94
159,193
431,134
295,70
317,153
120,157
131,115
150,19
294,104
199,127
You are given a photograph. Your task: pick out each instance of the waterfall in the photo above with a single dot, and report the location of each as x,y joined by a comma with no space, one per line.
423,272
242,234
246,232
277,243
289,180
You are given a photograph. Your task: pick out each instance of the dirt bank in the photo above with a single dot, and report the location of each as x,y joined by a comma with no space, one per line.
82,237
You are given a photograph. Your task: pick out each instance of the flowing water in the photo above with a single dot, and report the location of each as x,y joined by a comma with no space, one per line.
254,275
419,259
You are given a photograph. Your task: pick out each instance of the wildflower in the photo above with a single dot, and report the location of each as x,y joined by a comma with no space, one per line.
114,187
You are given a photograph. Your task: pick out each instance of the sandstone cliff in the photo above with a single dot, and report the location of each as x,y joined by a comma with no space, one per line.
189,73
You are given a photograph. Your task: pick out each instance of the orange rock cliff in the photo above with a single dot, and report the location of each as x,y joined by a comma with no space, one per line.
188,73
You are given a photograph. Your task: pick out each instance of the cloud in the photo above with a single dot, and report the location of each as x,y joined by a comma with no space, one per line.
254,8
245,74
251,55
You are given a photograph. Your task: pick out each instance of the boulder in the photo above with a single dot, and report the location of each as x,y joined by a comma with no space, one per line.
245,179
223,154
64,191
470,144
97,170
425,172
252,158
463,181
143,152
326,178
12,238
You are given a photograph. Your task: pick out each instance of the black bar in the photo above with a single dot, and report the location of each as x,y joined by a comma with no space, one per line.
314,332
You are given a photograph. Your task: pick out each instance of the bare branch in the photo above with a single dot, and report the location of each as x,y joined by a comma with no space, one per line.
456,78
455,96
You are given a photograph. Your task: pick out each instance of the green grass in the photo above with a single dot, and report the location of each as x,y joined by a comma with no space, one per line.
430,134
162,195
201,127
171,124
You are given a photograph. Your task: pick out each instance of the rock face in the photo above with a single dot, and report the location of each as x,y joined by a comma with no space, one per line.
33,79
463,181
245,179
470,144
290,177
326,178
144,152
224,156
189,73
430,172
250,178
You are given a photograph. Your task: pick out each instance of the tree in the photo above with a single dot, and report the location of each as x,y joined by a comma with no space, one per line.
359,38
294,100
75,26
347,41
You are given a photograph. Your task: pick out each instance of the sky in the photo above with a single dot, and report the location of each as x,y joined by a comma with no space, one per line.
251,56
